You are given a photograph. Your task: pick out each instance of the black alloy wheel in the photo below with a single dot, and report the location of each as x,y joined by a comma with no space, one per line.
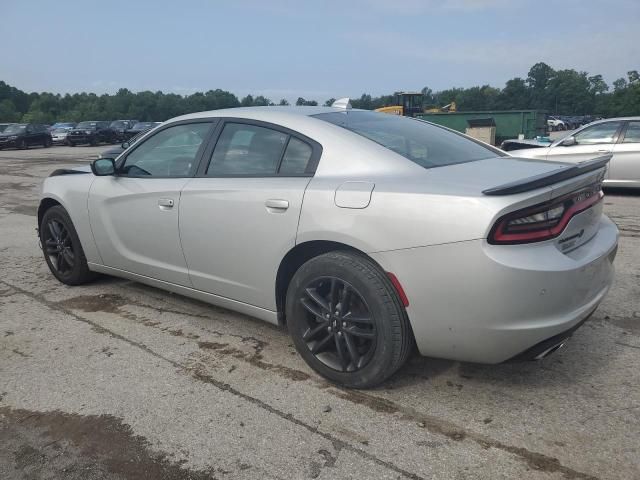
340,331
346,319
62,249
58,246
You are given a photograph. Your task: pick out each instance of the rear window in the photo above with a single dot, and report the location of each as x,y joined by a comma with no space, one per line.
425,144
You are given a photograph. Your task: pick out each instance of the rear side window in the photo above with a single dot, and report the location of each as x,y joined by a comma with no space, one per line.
247,150
633,133
423,143
296,158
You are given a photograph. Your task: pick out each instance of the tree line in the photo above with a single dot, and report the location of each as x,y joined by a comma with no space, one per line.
563,92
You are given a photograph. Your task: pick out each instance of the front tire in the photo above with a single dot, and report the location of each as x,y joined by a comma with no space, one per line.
346,320
62,249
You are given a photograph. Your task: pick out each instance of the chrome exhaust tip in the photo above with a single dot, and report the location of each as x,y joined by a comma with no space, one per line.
550,350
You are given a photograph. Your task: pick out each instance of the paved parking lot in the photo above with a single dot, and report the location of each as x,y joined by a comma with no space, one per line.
116,380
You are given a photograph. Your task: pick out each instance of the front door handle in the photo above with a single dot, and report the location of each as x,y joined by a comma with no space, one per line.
276,204
165,203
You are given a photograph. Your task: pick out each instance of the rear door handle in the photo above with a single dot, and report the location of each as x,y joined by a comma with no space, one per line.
165,203
276,204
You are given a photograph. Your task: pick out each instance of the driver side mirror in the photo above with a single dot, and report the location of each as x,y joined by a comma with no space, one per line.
103,167
569,141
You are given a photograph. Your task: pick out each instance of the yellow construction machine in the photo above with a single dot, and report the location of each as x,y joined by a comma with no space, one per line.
409,104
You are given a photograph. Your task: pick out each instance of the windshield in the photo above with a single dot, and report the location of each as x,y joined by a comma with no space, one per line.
15,128
63,125
87,125
421,142
60,130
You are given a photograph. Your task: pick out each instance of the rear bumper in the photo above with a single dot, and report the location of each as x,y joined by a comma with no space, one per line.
471,301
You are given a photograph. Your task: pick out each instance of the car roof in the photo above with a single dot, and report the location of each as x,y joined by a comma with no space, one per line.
615,119
274,113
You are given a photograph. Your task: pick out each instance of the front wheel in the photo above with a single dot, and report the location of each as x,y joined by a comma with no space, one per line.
62,249
346,320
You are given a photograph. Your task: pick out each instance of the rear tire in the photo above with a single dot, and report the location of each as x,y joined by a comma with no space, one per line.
346,320
22,145
62,249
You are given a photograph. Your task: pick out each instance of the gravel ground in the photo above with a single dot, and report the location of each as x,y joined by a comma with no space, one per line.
116,380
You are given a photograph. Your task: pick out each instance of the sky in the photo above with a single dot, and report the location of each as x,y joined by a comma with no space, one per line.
314,49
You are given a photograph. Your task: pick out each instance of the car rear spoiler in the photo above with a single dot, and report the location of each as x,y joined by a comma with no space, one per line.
546,179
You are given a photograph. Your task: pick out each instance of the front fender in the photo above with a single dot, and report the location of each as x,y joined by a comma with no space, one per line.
72,192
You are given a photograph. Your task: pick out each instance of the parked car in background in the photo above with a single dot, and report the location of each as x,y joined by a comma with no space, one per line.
3,126
140,127
619,137
120,127
25,135
555,123
409,234
58,125
92,132
59,135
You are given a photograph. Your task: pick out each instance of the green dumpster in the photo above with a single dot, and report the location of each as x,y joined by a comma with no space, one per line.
509,123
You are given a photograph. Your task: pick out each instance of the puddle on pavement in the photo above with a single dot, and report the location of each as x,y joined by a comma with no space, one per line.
62,445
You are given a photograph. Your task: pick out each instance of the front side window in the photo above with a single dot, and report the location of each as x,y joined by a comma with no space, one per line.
633,133
169,153
601,133
247,150
423,143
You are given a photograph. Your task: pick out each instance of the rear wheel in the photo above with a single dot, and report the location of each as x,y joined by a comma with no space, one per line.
346,320
22,144
62,249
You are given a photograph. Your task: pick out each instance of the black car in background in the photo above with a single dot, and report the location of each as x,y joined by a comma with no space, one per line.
92,133
121,126
3,126
25,135
138,128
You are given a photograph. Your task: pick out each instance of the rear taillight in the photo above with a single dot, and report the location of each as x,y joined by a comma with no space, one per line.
543,221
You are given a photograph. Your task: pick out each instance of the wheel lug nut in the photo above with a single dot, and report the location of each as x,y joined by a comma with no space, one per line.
339,334
327,316
344,324
329,329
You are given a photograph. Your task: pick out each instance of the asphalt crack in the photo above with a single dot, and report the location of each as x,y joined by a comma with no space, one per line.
534,460
222,386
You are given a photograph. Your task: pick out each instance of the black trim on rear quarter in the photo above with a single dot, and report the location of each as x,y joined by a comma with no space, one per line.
546,179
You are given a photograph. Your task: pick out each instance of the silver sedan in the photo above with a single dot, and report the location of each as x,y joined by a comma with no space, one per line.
619,137
365,234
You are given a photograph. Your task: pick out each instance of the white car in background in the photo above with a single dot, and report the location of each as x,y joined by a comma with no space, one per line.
554,123
617,136
59,135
